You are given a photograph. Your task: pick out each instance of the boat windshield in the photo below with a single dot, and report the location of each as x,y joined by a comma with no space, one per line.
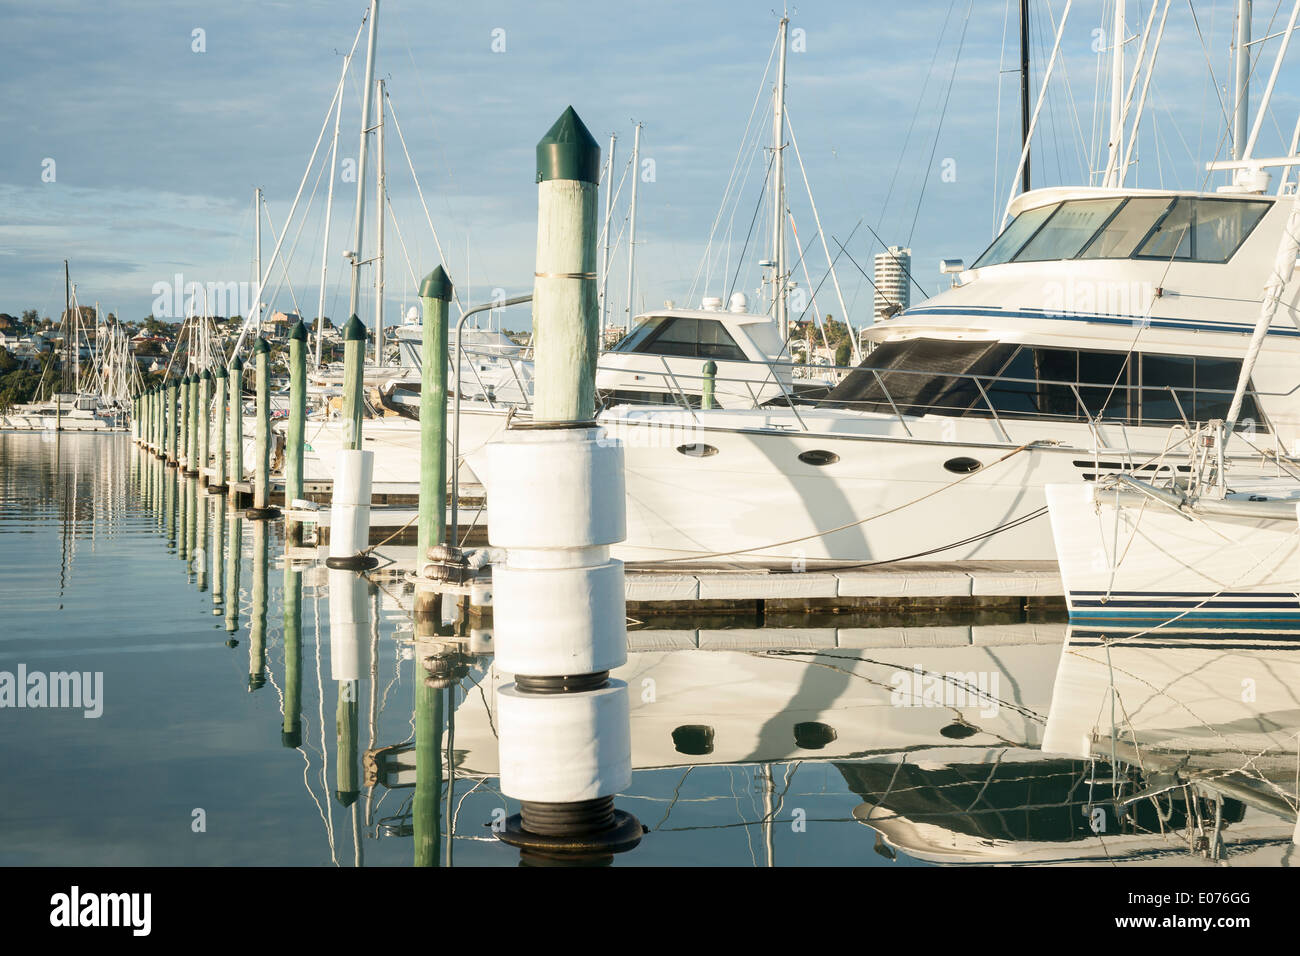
1183,228
682,336
985,379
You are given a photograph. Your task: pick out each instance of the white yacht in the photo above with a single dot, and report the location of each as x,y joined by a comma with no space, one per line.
661,362
1098,319
68,412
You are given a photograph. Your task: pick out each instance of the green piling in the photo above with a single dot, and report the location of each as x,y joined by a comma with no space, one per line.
204,422
183,424
294,437
262,510
194,464
218,482
566,319
172,451
236,413
435,296
354,357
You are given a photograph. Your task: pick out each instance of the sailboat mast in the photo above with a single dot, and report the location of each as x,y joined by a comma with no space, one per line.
255,321
1241,106
380,195
67,314
358,230
1115,175
329,209
604,255
1024,92
631,226
778,190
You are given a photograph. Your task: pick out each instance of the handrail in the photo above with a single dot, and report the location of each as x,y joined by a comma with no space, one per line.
455,426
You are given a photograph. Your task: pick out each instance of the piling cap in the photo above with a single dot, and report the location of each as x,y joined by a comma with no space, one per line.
354,331
260,347
710,367
436,285
206,376
236,364
568,151
220,372
299,332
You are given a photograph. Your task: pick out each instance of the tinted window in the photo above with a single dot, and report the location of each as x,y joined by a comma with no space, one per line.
1203,230
1017,233
1129,227
692,338
922,375
919,375
1068,231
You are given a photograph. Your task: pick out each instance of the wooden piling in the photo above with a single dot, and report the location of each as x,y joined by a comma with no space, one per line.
435,296
294,437
262,510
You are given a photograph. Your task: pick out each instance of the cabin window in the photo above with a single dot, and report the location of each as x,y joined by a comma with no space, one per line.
920,376
1202,230
1017,233
686,337
1126,228
1068,231
1189,229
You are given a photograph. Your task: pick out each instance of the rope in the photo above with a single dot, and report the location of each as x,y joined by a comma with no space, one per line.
882,514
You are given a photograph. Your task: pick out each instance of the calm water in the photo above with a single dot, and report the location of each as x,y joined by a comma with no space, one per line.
225,738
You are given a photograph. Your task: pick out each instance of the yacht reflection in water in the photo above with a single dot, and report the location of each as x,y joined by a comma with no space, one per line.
1013,744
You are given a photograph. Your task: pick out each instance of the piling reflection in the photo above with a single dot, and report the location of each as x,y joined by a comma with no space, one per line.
257,614
201,553
291,727
218,551
349,602
234,560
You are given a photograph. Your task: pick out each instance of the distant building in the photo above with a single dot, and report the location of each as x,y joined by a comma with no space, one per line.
892,269
613,333
279,325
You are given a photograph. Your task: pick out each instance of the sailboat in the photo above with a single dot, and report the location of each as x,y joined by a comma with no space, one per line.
660,361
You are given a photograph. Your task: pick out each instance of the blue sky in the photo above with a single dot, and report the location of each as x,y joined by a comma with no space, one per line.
157,148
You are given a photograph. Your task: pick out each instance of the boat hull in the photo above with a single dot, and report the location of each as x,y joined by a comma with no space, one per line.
1126,556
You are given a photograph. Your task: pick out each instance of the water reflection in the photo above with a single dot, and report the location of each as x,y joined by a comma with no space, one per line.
880,746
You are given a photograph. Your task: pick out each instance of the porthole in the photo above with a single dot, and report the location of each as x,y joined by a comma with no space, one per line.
694,740
813,735
962,465
957,731
819,457
696,450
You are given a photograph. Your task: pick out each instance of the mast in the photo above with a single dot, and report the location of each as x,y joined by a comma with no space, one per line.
604,255
1024,92
67,314
329,208
778,189
631,228
256,318
1241,106
379,231
358,229
1115,175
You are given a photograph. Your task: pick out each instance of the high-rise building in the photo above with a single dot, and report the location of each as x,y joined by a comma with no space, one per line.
892,268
